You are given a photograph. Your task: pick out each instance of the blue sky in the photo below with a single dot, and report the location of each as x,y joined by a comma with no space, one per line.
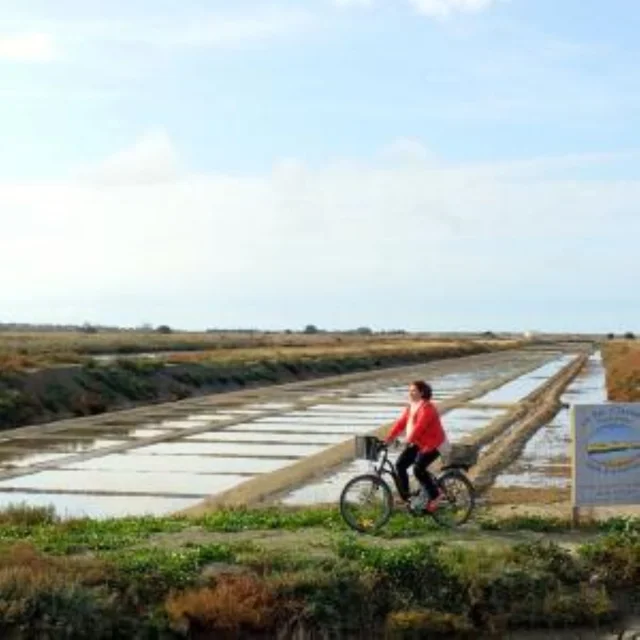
426,164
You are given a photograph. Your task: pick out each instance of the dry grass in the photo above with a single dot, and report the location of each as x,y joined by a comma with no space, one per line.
372,347
21,350
24,568
558,471
527,495
622,363
415,623
233,604
24,515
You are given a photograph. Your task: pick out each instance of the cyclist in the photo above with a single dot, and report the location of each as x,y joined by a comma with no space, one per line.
424,437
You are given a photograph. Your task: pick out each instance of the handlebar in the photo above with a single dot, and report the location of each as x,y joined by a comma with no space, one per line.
371,447
388,445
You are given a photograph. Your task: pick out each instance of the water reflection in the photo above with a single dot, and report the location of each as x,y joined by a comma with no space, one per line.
220,458
545,460
98,481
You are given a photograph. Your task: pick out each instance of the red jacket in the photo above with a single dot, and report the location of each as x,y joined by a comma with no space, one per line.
428,433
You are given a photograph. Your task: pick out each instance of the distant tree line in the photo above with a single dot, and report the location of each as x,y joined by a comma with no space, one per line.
309,329
629,335
91,328
363,331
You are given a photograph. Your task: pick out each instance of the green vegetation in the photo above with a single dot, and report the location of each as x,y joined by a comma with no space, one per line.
208,578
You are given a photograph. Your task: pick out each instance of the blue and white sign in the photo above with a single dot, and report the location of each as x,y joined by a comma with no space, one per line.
606,454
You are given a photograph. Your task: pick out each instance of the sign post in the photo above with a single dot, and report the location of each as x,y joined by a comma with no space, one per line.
606,455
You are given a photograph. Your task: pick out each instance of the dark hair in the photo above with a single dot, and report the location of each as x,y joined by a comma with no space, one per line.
425,389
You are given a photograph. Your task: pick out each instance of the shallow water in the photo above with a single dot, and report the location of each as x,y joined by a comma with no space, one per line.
124,482
38,451
21,460
67,447
282,438
457,423
464,420
147,433
328,489
346,429
552,443
222,457
131,462
312,418
532,480
521,387
99,507
263,450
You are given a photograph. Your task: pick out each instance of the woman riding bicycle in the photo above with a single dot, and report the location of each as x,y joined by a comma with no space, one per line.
424,437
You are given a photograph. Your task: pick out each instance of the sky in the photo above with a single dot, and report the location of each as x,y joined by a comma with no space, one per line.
397,164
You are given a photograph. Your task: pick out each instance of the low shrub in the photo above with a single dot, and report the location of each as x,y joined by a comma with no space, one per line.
415,574
41,597
427,623
343,599
233,606
549,558
614,559
25,515
588,606
149,574
113,579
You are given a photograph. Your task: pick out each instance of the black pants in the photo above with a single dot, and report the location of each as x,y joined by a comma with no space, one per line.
420,461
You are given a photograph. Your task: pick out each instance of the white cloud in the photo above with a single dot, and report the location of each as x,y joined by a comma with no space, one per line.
407,150
142,227
28,47
445,8
152,159
205,29
346,4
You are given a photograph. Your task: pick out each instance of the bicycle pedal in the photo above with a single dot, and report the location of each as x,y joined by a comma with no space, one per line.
412,512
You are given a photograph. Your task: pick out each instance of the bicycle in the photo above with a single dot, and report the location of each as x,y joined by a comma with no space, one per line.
451,480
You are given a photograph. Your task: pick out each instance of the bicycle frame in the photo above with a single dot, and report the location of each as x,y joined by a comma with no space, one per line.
385,466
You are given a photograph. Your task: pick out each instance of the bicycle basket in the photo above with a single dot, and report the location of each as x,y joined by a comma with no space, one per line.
367,447
461,455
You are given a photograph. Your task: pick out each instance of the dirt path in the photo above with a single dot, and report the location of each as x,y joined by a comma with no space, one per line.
321,542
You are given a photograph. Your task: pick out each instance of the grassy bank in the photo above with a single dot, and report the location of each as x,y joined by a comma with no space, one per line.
25,350
34,396
224,576
622,363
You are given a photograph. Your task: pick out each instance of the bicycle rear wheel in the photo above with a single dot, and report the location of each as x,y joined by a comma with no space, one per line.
366,503
459,499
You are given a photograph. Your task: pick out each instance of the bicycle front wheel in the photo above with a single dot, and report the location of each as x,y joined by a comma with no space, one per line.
366,503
